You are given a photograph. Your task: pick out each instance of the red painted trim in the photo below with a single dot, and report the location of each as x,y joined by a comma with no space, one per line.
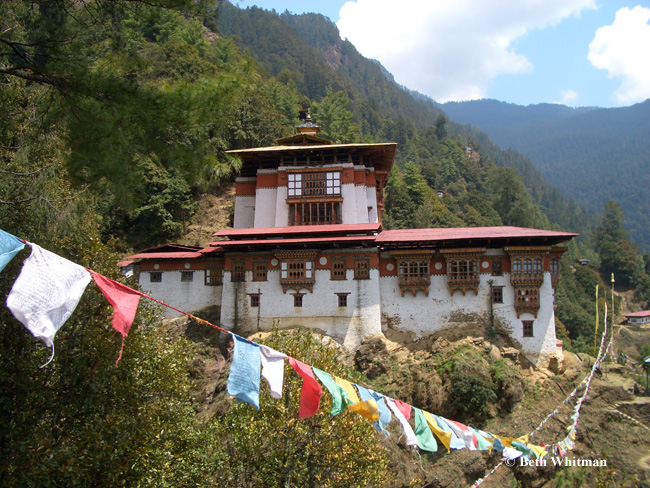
245,188
267,181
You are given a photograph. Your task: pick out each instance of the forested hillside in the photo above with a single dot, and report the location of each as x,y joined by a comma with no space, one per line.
593,155
116,119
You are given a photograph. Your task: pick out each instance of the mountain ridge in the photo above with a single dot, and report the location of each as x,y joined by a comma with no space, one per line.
592,154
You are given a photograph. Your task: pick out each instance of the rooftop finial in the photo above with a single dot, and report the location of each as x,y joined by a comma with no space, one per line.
307,126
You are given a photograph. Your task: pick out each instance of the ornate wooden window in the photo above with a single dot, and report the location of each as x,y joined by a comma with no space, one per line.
527,276
463,269
238,271
187,276
259,271
155,277
338,269
255,300
528,328
497,294
413,270
297,270
314,198
527,300
213,275
297,299
497,267
527,265
310,184
343,299
315,213
362,269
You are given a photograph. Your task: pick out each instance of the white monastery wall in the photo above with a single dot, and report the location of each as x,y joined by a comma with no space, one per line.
188,296
349,205
424,315
265,207
362,204
281,207
347,325
371,197
543,344
244,207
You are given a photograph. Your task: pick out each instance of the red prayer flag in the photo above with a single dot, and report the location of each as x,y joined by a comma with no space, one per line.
125,301
405,408
311,389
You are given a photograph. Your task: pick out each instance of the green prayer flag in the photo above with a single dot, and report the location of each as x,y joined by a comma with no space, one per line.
423,433
339,397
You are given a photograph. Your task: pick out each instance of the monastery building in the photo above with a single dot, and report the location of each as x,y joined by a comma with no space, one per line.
307,250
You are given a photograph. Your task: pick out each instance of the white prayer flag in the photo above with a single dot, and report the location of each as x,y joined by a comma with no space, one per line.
411,440
46,293
273,369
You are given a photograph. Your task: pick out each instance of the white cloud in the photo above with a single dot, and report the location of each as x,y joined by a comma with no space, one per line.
450,49
622,50
569,97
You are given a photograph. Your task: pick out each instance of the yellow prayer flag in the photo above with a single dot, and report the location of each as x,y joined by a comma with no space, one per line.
507,441
443,435
348,389
367,409
539,451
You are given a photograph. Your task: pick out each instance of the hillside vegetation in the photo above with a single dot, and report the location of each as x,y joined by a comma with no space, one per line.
593,155
116,119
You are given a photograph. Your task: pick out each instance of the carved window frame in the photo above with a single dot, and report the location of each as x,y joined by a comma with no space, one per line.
463,269
413,271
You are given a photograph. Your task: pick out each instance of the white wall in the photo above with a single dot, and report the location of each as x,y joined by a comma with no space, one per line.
362,204
281,207
349,205
186,296
424,315
244,212
371,197
265,206
347,325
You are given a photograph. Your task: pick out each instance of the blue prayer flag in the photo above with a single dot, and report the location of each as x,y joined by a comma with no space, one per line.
9,247
244,378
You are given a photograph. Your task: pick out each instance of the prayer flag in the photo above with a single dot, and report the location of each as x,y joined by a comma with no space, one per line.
46,293
244,377
273,369
367,409
456,442
311,390
405,408
384,412
482,444
349,390
9,247
411,440
125,302
339,403
444,436
372,400
423,433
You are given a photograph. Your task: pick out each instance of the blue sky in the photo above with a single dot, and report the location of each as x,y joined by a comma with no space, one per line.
576,52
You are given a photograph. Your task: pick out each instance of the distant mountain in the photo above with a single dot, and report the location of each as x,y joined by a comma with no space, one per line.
592,154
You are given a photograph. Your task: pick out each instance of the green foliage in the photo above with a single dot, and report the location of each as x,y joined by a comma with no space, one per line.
335,119
272,447
114,93
509,382
82,421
